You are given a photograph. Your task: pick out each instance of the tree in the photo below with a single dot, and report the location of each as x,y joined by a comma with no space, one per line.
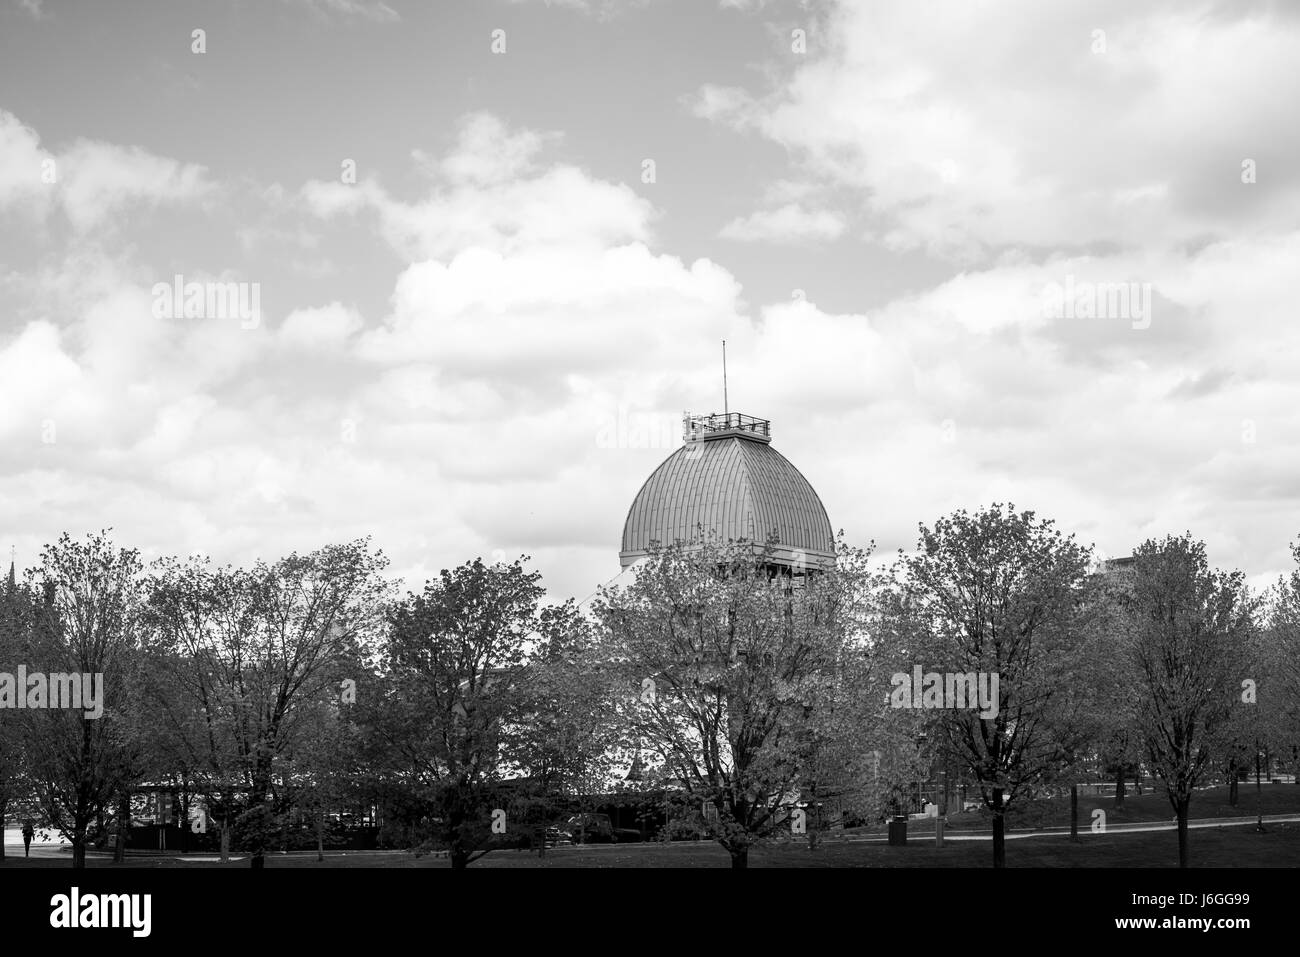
1186,626
256,652
455,663
728,672
995,594
199,618
563,737
87,602
15,623
324,766
1281,661
1115,747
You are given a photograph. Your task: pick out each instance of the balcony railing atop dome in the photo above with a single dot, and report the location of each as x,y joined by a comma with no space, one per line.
721,424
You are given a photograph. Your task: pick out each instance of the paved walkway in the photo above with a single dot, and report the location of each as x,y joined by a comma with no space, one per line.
1085,829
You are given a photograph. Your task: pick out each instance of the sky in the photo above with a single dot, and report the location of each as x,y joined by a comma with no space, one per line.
961,253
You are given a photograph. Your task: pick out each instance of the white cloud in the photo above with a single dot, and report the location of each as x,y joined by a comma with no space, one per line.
324,328
365,9
487,152
962,132
90,181
487,195
99,179
534,306
729,104
790,223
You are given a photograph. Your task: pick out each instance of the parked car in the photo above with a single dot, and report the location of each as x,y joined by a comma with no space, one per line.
597,828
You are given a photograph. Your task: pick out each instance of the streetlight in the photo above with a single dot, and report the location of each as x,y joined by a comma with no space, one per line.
942,816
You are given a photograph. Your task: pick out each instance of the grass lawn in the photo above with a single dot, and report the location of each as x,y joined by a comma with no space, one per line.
1211,847
1151,806
1239,846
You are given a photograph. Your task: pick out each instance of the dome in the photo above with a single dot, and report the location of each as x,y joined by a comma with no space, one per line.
728,480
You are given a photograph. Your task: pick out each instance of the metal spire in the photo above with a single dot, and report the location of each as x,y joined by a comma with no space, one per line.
726,409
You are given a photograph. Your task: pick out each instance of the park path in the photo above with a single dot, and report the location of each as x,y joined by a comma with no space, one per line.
1086,831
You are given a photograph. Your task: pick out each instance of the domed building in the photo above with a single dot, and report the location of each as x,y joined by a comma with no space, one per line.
727,481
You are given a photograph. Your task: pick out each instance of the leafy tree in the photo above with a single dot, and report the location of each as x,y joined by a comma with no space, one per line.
255,653
455,663
87,602
324,767
199,617
1281,661
1106,703
1187,625
729,672
15,623
563,737
997,593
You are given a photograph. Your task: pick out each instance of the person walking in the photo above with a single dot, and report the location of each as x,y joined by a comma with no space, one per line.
28,833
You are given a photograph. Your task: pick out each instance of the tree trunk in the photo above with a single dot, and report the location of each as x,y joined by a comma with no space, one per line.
1259,795
459,859
999,830
185,815
739,858
320,837
225,840
1074,812
1232,784
1183,850
3,805
123,822
1119,788
259,806
79,849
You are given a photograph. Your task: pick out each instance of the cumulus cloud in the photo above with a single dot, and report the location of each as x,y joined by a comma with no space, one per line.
90,181
484,195
531,310
790,223
321,328
508,384
961,136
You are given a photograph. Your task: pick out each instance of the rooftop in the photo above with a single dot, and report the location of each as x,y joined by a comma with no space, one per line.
727,481
720,425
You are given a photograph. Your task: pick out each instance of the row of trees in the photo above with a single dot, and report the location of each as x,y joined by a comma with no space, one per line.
750,699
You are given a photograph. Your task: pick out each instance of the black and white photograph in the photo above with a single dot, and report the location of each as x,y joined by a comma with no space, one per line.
853,437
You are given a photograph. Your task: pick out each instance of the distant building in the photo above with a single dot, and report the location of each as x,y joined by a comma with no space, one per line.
728,482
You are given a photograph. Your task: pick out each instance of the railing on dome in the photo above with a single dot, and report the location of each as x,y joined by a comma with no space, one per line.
730,423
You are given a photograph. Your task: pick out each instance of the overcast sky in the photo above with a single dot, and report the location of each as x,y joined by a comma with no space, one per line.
484,344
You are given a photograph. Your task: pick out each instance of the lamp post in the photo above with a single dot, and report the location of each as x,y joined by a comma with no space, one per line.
1259,796
942,817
